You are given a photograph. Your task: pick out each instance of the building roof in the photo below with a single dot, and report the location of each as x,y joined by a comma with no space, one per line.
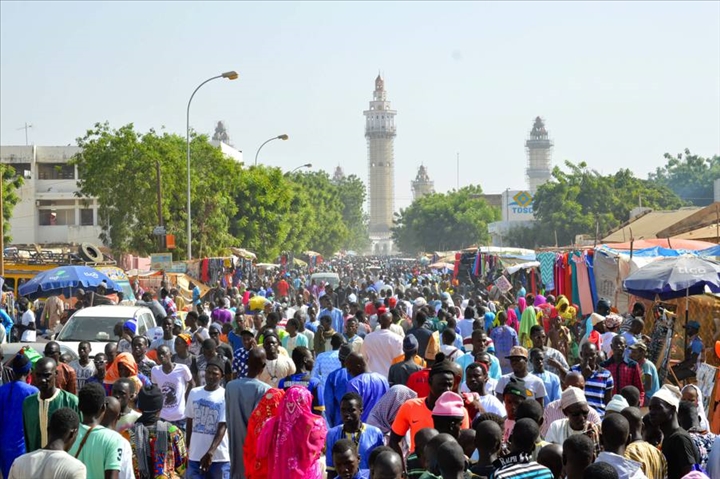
648,225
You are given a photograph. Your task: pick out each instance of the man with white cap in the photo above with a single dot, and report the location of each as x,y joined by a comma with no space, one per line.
576,409
677,445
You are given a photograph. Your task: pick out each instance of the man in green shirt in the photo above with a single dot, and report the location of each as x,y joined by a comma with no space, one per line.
37,408
99,448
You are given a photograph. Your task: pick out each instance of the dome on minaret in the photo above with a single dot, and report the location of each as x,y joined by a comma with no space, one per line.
379,82
422,185
339,174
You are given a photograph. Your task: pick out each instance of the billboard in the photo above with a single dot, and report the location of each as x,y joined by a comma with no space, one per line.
517,205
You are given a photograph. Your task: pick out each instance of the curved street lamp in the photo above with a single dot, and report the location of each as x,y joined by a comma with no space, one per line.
306,165
282,137
231,75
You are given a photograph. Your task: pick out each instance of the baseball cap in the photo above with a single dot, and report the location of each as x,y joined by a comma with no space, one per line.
517,387
131,325
596,318
517,352
692,325
639,345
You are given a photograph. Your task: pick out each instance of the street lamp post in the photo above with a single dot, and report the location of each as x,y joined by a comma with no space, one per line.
231,75
306,165
282,137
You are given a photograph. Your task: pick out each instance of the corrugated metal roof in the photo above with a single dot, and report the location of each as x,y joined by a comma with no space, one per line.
648,225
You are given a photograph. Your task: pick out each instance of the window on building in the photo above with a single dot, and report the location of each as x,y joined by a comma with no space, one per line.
21,169
56,217
86,217
56,171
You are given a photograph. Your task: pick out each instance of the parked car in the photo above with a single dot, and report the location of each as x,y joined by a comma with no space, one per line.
328,278
9,350
96,324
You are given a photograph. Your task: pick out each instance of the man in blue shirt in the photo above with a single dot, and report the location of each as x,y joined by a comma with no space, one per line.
693,354
336,387
364,436
338,322
551,380
649,371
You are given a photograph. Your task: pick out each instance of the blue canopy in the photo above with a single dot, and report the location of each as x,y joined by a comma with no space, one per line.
66,280
674,277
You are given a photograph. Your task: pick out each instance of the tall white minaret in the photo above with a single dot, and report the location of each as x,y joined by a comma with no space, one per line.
539,162
380,134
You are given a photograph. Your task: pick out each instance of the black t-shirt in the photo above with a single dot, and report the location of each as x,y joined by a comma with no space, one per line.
680,452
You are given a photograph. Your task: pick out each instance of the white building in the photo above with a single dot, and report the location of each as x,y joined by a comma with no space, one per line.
48,211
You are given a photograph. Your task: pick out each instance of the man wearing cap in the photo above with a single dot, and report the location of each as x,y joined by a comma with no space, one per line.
612,323
625,372
650,381
513,393
207,436
677,446
448,413
553,411
576,409
129,328
519,362
400,372
12,395
693,354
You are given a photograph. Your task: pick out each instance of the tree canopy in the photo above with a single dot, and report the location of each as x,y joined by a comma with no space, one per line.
689,176
579,200
258,208
11,182
440,222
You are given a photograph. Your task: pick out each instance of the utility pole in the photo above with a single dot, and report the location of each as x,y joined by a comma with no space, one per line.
458,171
26,127
161,238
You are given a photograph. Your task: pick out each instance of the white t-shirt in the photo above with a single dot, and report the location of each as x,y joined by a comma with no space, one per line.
173,387
532,382
606,341
126,465
29,335
83,373
493,405
45,464
207,410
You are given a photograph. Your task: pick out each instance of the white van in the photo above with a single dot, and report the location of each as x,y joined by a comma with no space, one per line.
327,278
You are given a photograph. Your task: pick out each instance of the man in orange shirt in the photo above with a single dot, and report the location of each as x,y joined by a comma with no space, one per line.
416,414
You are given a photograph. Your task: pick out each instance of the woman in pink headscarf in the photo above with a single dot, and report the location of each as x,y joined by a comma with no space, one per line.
512,319
293,440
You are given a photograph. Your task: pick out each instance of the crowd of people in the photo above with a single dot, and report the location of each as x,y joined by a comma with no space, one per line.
398,375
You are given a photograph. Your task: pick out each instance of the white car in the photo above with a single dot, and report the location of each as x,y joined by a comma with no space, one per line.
96,324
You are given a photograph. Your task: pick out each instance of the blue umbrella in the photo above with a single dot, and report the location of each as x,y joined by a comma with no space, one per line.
674,277
66,280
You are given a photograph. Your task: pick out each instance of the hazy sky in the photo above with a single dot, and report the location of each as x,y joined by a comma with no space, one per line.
619,84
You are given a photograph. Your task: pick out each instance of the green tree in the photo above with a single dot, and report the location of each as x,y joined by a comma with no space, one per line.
689,176
582,201
11,182
118,167
265,216
352,192
440,222
327,233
